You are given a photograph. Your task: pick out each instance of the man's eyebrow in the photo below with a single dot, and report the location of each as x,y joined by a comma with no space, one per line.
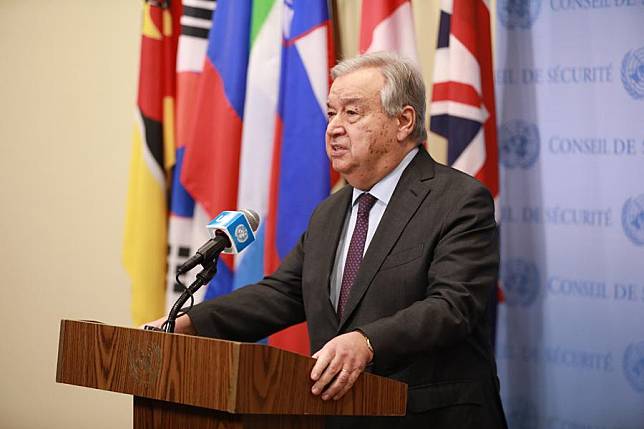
351,99
347,100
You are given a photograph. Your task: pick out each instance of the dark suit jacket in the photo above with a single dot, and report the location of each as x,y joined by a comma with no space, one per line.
420,296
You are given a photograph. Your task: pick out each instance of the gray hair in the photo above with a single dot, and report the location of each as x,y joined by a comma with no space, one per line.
403,86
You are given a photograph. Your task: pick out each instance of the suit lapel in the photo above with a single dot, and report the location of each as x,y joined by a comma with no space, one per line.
413,187
332,228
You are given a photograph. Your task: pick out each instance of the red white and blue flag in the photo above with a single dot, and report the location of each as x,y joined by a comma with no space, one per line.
462,107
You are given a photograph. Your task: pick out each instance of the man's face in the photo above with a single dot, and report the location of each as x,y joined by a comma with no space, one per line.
361,139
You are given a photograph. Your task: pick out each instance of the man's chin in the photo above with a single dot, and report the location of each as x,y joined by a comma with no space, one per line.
338,167
341,166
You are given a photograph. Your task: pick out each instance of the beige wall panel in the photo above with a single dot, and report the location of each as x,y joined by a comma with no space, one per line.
347,21
67,77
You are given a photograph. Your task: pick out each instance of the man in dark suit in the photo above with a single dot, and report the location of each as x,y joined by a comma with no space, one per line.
394,271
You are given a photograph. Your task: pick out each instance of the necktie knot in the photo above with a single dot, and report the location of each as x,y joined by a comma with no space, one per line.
365,203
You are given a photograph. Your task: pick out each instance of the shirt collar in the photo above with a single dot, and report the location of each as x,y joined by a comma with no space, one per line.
384,189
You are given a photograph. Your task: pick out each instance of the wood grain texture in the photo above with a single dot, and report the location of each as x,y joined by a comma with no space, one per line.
213,374
152,414
261,368
169,367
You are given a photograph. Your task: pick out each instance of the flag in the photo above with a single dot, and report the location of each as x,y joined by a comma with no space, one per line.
258,132
301,175
210,168
255,135
144,250
462,108
388,25
186,226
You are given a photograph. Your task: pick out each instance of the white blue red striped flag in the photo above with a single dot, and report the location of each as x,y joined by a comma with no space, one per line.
301,170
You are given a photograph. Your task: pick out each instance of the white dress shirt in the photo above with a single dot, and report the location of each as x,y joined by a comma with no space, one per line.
382,191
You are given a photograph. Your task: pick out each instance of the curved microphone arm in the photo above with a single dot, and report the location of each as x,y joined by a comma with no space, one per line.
203,277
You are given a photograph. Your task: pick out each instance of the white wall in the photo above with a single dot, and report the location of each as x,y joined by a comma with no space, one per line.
68,72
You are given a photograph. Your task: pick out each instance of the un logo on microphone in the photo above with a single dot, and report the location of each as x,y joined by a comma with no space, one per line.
633,219
633,73
241,233
520,281
633,365
519,144
519,14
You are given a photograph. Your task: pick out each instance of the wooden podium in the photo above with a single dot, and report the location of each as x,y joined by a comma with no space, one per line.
187,381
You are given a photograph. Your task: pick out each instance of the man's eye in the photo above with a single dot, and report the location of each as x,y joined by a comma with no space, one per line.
352,115
330,114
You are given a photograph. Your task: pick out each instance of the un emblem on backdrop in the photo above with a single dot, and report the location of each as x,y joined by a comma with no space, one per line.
633,73
520,281
633,219
518,13
518,144
634,365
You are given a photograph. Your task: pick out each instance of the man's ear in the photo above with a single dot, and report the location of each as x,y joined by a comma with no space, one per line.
406,122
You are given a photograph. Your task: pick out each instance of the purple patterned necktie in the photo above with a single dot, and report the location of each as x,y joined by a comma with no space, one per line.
356,249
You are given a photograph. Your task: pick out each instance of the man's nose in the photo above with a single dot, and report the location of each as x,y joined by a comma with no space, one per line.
335,126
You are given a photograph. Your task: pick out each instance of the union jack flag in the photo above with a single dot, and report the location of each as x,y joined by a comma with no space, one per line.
462,108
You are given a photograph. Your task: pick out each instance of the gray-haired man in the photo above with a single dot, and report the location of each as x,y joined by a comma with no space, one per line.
393,272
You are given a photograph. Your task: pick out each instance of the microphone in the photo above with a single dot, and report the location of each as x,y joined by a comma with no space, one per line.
230,232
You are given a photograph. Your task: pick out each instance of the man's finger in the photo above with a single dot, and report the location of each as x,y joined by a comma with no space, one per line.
340,381
352,379
327,376
323,359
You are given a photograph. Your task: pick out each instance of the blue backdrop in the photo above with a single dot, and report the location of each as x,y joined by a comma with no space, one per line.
569,78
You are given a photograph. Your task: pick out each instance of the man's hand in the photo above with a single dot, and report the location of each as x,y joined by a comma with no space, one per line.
183,325
343,358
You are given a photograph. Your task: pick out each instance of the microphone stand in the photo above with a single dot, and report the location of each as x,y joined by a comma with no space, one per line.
203,277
